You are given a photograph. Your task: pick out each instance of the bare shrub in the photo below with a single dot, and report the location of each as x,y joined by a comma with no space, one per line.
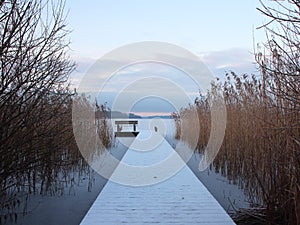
38,152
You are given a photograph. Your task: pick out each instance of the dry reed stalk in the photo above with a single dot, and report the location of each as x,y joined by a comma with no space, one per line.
260,151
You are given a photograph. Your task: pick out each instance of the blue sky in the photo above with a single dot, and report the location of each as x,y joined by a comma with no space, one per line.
220,32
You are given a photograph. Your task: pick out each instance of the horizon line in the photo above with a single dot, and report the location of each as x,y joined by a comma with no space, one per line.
152,113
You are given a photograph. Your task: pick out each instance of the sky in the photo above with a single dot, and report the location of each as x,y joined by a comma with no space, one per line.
222,34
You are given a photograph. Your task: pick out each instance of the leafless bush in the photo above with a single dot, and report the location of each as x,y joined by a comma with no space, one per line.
37,146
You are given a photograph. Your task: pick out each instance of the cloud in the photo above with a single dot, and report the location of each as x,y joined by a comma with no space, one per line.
238,60
154,78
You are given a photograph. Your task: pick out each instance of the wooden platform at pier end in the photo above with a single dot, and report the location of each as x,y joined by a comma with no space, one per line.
182,199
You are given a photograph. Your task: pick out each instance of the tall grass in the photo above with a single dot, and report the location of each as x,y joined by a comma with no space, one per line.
261,148
92,130
44,158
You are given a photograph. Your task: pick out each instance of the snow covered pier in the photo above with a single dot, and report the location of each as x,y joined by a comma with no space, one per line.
181,199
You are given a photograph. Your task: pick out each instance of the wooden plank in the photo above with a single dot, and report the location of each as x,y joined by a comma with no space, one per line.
182,199
126,122
126,134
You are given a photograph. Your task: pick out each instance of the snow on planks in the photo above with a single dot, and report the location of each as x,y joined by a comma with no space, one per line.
181,199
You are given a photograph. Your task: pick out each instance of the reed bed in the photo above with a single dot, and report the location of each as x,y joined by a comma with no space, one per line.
261,149
43,157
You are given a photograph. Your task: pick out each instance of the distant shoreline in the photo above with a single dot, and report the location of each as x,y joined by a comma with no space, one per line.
121,115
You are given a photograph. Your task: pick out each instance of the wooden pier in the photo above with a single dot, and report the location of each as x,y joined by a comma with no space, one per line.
120,133
181,199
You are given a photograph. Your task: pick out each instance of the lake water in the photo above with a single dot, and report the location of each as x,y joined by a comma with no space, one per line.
70,207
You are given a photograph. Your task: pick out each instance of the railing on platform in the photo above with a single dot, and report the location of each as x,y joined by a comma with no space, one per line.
120,133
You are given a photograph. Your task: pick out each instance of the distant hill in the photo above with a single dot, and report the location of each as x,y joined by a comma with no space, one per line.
134,116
